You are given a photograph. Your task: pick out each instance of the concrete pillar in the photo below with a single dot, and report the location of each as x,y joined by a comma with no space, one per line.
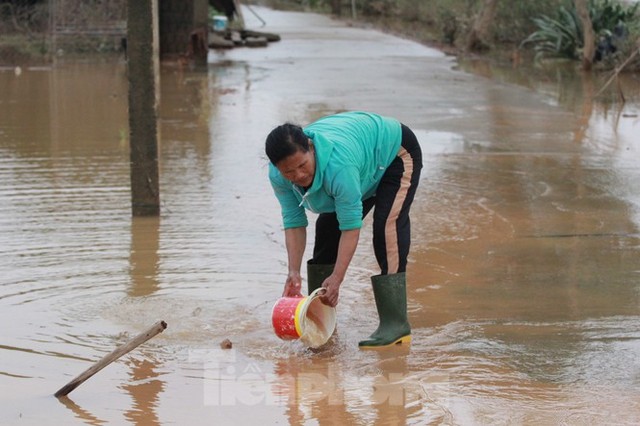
184,29
142,48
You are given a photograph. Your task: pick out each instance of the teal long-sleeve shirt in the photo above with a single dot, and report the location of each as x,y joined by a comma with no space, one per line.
352,152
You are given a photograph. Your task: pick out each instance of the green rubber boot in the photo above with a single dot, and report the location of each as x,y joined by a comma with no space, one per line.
316,274
390,292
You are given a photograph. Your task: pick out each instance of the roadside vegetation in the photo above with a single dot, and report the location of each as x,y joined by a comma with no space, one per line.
23,31
599,34
515,30
562,35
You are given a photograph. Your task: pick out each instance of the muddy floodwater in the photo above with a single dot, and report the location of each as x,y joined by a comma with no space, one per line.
524,275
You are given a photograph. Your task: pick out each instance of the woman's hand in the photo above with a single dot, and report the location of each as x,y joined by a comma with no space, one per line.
346,248
295,241
332,291
292,285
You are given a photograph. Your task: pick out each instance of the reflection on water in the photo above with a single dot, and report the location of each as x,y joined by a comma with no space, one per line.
333,394
85,416
523,282
144,387
144,260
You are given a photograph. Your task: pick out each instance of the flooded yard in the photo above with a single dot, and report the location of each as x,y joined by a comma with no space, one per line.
524,275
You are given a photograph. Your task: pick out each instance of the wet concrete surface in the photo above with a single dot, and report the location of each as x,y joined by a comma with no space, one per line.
523,278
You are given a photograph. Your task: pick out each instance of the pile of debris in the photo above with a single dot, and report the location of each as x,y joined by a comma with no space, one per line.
224,32
228,38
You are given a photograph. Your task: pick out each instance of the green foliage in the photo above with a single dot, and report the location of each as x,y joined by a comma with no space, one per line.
449,25
450,20
379,7
513,18
607,14
562,35
556,30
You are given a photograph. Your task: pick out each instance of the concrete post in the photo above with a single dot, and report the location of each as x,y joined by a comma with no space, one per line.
184,30
142,47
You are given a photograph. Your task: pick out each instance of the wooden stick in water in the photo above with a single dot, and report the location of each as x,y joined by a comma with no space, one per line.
156,329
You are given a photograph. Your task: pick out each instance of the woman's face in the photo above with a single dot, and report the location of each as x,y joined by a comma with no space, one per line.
299,168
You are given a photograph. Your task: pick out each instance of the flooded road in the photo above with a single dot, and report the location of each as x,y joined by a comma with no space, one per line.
524,277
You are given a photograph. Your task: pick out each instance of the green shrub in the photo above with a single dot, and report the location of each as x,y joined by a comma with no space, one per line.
562,36
513,18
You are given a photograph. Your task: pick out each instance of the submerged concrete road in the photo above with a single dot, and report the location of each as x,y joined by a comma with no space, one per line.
322,66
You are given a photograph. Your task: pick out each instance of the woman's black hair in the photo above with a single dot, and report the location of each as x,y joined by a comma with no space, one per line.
285,140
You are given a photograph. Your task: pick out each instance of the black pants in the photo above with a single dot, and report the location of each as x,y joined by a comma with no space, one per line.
391,224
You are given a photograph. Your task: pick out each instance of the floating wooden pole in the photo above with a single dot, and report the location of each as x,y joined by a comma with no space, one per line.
156,329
